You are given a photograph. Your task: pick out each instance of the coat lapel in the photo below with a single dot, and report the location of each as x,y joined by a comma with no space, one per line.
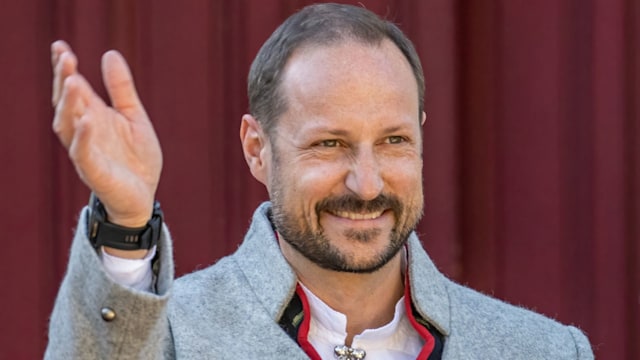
428,290
267,271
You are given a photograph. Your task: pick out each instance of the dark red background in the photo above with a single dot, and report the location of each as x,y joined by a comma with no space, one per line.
532,151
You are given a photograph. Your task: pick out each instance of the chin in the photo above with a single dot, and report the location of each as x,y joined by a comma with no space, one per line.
357,263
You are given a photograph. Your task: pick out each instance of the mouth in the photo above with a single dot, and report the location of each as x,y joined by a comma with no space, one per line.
358,216
352,212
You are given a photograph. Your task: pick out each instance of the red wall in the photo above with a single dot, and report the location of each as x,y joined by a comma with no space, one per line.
532,151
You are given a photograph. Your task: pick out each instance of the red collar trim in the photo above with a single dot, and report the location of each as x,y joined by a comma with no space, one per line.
429,341
303,331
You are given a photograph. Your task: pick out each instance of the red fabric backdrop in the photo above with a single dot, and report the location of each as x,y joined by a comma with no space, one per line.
532,151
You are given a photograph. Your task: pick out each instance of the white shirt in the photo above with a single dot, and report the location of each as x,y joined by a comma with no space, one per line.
395,340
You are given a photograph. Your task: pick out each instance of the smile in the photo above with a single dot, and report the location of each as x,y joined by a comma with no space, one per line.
358,216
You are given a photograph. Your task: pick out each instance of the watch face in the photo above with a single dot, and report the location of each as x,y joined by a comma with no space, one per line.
92,221
93,230
95,217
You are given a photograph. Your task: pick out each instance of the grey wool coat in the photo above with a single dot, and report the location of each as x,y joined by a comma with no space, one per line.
230,310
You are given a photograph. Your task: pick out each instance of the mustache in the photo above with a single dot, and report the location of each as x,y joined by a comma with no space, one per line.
351,203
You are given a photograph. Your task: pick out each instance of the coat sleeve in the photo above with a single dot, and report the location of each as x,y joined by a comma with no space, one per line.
96,318
583,348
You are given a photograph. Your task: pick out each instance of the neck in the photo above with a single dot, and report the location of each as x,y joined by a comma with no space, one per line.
367,300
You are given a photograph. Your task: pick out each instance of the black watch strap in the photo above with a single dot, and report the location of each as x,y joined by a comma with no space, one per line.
103,233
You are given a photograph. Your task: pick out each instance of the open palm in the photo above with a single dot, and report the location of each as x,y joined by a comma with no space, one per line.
114,148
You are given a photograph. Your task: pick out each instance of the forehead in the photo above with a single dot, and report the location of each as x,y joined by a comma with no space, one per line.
348,60
350,79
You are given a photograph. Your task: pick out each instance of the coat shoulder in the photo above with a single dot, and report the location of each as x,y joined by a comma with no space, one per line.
483,324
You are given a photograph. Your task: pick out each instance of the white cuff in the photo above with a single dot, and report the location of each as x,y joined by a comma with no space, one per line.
134,273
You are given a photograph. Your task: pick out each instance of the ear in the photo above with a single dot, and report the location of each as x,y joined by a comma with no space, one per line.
424,118
255,147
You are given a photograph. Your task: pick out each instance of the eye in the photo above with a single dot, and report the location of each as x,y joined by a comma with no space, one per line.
329,143
395,139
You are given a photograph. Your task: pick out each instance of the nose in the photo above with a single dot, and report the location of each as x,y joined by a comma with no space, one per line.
365,177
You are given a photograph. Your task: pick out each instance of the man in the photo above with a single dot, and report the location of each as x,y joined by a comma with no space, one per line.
330,268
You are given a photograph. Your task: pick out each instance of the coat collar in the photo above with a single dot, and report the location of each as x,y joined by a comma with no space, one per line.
428,287
274,282
267,271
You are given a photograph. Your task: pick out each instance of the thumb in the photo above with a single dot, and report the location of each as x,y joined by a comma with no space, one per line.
119,83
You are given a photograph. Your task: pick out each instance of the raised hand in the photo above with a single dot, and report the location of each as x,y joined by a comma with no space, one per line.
114,149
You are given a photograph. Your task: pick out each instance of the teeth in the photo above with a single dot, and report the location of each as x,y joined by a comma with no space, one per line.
357,216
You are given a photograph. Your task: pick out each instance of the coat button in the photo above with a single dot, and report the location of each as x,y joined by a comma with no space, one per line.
107,314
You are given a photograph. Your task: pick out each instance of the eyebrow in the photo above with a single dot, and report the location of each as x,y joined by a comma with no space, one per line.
393,129
342,132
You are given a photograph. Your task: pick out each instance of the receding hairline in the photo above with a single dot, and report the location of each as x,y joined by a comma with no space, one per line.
309,48
312,27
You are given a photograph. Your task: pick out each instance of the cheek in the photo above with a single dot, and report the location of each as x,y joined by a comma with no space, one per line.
318,180
305,184
404,176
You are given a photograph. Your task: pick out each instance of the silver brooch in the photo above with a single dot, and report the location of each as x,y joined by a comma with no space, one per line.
344,352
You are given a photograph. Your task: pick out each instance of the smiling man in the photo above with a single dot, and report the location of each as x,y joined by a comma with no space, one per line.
345,181
330,267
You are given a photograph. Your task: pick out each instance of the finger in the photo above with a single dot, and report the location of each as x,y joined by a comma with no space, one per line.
65,66
119,83
57,48
76,100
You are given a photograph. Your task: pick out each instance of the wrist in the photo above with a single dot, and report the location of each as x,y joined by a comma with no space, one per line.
126,254
134,221
131,218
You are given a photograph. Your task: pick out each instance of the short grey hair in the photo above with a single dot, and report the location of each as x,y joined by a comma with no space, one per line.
319,24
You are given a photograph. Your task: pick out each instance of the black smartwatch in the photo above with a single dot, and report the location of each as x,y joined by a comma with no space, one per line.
103,233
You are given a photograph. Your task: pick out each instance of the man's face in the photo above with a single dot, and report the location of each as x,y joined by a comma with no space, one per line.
346,174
